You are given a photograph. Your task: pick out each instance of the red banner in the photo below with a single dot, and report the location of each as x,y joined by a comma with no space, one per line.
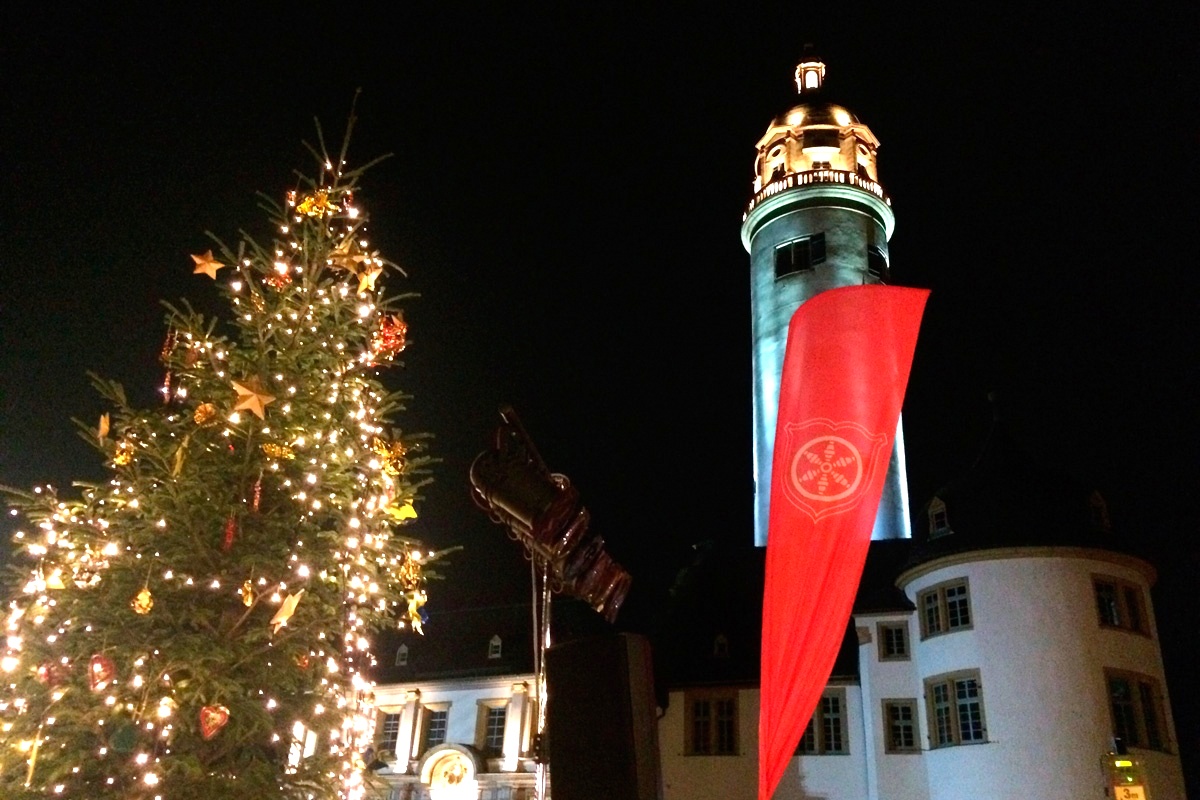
848,356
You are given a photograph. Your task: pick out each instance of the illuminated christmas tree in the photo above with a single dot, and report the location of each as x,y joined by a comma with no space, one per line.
198,626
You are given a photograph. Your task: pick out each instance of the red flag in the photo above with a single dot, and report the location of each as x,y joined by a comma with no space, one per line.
848,356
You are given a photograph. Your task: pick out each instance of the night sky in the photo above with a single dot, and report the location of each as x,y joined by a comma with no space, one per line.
566,193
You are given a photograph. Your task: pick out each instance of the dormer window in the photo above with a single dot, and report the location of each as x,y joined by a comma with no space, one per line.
939,523
494,647
721,646
402,656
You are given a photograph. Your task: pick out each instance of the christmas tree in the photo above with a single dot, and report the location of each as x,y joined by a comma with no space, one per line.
199,625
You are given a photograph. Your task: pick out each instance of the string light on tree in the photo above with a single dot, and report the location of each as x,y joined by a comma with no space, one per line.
198,625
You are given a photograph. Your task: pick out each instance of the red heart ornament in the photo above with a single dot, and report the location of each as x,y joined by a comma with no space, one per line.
212,719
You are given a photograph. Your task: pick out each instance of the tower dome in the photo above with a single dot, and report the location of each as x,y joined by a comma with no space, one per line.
818,219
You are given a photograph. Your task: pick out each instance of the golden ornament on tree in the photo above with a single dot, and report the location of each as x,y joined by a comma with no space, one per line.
143,602
391,456
207,265
272,450
124,454
102,428
247,594
252,397
285,611
347,256
366,279
317,204
416,599
205,414
401,512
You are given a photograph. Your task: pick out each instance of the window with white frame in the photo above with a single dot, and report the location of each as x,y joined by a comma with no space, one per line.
388,733
893,641
900,726
954,704
826,733
489,730
711,722
945,608
435,719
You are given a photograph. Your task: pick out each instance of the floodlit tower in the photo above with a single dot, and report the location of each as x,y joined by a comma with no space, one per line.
819,219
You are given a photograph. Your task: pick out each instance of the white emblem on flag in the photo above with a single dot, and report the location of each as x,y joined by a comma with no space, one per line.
828,465
827,469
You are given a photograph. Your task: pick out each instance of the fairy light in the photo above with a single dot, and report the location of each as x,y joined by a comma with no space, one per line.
326,409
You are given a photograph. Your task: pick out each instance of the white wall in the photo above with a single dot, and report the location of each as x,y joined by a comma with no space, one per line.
1041,653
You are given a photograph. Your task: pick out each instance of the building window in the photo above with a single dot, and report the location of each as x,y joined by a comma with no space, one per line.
877,264
389,734
1136,705
1120,604
494,647
402,656
955,706
712,723
721,646
826,731
436,718
893,641
900,726
945,608
489,731
939,523
799,255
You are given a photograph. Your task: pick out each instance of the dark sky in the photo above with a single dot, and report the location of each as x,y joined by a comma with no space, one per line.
566,195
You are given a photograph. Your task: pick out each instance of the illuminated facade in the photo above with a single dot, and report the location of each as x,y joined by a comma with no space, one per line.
819,219
1008,649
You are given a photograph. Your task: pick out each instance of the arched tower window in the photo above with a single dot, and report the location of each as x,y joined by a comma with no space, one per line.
776,162
402,656
494,647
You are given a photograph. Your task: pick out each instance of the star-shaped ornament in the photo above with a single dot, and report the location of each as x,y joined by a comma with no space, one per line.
347,256
401,512
252,397
285,611
366,279
207,265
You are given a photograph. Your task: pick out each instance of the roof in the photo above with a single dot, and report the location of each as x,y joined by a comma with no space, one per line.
1014,496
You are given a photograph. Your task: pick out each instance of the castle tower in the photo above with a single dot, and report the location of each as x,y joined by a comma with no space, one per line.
819,219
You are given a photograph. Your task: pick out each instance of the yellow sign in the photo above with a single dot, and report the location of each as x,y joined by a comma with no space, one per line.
1134,792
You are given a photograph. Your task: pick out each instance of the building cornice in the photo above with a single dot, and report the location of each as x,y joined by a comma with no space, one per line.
1004,553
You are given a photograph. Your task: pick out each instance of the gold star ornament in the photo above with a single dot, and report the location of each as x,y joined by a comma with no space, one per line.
252,397
285,611
207,265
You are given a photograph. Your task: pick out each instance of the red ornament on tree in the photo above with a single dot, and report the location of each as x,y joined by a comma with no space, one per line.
51,674
230,532
390,339
212,719
101,671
